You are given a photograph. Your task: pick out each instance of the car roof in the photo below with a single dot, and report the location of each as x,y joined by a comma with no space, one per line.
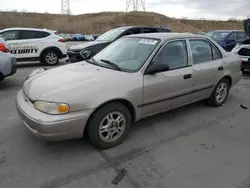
26,28
130,27
227,30
166,36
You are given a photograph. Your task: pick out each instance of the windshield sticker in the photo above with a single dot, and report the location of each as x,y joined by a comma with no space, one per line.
148,41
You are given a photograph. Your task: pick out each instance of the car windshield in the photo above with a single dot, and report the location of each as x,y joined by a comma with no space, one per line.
110,35
128,54
217,35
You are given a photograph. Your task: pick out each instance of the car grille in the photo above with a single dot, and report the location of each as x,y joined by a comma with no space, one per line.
244,52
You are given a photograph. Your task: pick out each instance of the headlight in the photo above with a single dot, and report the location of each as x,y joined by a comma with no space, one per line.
51,107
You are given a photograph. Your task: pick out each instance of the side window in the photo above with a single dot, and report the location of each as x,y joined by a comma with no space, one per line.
216,53
10,35
149,30
174,54
133,31
25,34
241,36
201,51
161,30
232,36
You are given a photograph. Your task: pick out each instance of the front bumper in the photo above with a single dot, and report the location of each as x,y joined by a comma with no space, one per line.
51,127
74,56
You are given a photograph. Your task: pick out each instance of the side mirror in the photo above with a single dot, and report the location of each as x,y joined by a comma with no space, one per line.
157,67
85,54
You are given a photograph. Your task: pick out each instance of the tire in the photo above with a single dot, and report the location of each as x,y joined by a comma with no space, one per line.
50,57
243,70
218,99
100,120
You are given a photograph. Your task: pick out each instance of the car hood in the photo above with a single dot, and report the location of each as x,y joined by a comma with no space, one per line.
246,25
86,44
65,79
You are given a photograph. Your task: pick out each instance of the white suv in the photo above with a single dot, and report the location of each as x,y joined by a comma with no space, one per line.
29,44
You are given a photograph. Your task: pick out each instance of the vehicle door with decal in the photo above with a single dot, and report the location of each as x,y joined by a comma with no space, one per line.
29,44
168,79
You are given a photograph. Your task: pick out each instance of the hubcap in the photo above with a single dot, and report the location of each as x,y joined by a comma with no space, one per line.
221,92
112,127
51,58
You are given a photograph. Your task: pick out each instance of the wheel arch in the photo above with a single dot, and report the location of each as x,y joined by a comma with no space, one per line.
51,48
229,78
125,102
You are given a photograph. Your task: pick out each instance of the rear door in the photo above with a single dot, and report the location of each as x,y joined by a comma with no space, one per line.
207,67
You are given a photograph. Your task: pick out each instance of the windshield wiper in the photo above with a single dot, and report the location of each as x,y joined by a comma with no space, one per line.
111,63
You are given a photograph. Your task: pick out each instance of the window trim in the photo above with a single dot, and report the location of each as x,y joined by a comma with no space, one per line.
210,44
160,49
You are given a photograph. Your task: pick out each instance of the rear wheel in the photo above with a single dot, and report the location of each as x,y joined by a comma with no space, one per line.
220,93
50,57
109,126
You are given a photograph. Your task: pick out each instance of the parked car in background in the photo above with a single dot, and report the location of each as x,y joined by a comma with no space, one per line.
7,61
227,39
243,48
107,38
79,37
135,77
95,36
89,37
29,44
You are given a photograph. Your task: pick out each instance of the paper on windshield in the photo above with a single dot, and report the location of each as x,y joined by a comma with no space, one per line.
148,41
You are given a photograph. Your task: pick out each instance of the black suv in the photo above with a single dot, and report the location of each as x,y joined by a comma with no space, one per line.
107,38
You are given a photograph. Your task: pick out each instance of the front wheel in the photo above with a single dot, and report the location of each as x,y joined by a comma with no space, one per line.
220,93
109,126
50,57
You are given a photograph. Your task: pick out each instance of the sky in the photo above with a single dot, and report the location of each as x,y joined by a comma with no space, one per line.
193,9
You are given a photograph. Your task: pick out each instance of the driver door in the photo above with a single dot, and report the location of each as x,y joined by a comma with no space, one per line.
172,88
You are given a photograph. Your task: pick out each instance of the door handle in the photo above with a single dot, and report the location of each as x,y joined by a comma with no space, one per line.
187,76
220,68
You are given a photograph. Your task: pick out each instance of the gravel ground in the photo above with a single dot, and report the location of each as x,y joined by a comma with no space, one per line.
194,146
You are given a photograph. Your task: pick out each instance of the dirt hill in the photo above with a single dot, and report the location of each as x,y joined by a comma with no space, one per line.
101,22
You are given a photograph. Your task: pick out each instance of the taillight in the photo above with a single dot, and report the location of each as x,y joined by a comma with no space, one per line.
61,40
3,48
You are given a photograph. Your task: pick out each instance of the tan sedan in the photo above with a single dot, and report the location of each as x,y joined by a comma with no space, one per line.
135,77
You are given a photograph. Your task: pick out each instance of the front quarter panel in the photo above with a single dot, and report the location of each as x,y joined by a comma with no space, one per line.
93,94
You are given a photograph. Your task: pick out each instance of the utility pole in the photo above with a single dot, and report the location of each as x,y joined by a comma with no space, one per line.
65,7
136,4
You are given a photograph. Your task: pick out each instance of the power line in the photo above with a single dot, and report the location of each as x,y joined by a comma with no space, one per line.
136,5
65,7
